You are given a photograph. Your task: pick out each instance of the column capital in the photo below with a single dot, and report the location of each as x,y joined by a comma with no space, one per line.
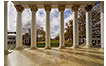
33,8
47,7
19,8
88,8
61,7
75,7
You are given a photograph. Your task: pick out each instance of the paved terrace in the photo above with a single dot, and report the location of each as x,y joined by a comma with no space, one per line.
55,57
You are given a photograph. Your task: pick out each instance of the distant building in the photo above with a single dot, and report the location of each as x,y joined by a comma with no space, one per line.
26,39
11,40
11,37
96,38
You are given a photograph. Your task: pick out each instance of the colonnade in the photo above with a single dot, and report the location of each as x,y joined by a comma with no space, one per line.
47,8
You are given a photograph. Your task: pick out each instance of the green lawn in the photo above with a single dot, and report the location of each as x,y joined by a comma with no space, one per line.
54,43
41,44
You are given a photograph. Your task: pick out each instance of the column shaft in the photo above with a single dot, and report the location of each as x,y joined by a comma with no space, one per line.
33,31
5,28
102,30
48,46
19,31
61,40
88,30
75,30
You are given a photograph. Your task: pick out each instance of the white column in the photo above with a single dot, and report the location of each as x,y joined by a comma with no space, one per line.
33,31
75,30
61,37
5,28
102,30
102,24
47,46
19,31
88,30
75,26
19,9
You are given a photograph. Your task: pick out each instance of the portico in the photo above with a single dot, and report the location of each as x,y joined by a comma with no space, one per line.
35,5
64,56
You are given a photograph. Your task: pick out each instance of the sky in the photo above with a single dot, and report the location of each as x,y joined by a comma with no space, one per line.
40,18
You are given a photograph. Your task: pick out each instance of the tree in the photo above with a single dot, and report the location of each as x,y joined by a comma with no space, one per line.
57,37
95,13
96,24
40,34
69,31
81,25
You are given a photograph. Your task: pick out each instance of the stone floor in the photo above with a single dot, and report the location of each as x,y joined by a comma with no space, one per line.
55,57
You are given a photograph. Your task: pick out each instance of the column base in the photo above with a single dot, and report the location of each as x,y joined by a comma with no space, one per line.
62,47
101,49
88,46
47,47
33,48
6,52
19,48
74,47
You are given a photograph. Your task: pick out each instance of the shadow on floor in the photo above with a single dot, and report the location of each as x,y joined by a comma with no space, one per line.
63,55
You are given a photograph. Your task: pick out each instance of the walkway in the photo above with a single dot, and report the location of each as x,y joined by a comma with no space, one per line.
55,57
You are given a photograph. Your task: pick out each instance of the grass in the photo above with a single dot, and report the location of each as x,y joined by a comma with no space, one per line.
41,44
54,43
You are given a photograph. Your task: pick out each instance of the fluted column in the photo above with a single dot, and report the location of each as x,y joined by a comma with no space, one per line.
19,9
102,24
61,36
5,28
47,9
88,27
33,30
75,26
